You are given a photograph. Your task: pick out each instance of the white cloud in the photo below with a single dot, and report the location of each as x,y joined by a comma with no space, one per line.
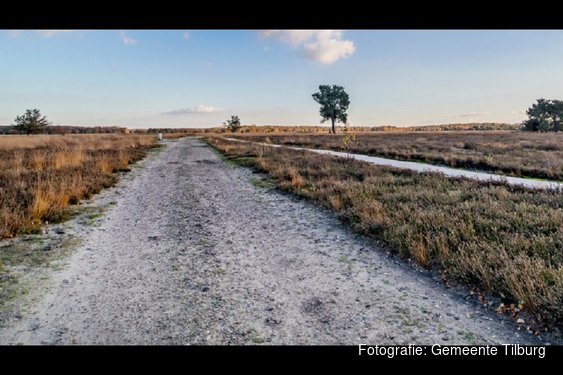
200,108
474,114
294,37
324,46
52,33
328,49
205,109
127,40
186,35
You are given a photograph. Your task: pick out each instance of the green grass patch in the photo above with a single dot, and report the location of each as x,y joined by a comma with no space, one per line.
262,183
24,256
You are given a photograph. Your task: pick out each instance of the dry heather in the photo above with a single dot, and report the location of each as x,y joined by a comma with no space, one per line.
41,175
504,238
537,155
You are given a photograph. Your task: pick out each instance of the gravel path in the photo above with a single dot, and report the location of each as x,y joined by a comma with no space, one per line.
193,253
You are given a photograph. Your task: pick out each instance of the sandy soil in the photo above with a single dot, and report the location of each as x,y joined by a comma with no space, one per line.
193,253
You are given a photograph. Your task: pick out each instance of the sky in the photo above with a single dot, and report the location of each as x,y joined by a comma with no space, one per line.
199,78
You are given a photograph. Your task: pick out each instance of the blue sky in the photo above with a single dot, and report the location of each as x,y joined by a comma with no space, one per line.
198,78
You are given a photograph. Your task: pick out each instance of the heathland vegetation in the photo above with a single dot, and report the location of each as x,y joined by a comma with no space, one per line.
41,175
501,238
521,154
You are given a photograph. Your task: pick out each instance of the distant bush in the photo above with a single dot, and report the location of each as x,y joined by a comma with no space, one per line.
233,124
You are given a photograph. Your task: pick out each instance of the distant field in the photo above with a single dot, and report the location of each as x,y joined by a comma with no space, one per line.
535,155
176,135
41,175
503,238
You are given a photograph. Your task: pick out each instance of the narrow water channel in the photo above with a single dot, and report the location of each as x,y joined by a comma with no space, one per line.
423,167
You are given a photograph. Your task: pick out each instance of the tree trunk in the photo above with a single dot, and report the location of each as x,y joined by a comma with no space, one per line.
333,128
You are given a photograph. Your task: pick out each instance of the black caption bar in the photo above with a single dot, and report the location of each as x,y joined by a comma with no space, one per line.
506,350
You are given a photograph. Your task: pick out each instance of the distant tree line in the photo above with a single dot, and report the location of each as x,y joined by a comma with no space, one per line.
308,129
444,127
544,115
187,131
383,128
33,122
70,129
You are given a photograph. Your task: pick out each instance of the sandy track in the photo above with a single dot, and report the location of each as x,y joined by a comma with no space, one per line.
193,253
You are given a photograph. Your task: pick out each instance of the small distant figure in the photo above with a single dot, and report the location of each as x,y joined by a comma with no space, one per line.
159,136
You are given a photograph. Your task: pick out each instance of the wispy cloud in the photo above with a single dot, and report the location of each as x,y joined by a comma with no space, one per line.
186,35
52,33
14,33
324,46
127,40
197,109
474,114
42,33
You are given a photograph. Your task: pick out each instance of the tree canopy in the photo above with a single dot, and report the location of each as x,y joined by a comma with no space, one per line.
32,122
334,101
233,124
545,115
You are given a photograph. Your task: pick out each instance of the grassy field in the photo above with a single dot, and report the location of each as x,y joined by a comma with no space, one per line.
502,238
41,175
536,155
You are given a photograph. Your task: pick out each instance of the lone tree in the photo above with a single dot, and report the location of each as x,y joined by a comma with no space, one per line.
545,115
31,122
334,103
233,124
